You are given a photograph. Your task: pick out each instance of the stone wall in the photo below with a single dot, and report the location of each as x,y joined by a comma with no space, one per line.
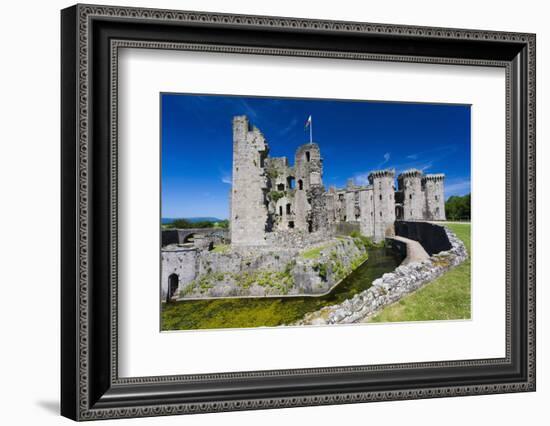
262,272
432,237
182,236
249,184
390,288
349,199
366,209
346,228
180,262
398,246
294,238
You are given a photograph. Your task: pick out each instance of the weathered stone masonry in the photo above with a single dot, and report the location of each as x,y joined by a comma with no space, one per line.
277,209
269,195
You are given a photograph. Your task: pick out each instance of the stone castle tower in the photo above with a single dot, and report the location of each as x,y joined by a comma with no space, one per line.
419,196
409,183
249,184
434,197
383,208
271,200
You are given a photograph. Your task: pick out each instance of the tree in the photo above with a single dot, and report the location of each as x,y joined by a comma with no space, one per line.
186,224
180,224
458,208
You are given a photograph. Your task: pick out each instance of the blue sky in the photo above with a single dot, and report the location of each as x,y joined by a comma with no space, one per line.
355,137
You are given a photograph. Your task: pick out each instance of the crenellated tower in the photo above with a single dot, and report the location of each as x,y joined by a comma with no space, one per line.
409,183
434,196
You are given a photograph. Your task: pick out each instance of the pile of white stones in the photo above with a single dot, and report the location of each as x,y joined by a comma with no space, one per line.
390,287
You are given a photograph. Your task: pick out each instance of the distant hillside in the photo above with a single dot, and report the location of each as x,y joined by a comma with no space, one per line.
195,222
167,220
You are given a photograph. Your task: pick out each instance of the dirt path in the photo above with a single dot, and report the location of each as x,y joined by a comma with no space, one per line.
415,251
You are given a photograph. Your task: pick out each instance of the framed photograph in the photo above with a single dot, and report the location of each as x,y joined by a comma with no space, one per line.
263,212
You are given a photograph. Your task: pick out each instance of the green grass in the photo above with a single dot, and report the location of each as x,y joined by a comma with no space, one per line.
271,311
448,297
313,253
222,248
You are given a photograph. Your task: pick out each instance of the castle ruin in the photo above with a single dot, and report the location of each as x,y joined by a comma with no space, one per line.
271,200
278,213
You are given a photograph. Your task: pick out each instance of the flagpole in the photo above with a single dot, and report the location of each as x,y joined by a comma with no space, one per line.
311,130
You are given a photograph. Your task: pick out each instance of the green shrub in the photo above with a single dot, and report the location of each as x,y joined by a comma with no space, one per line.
273,173
276,195
221,248
322,270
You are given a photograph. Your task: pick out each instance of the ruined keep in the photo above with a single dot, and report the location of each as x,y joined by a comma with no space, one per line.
279,211
272,202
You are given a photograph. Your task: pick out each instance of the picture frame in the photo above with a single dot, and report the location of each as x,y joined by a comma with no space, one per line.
90,384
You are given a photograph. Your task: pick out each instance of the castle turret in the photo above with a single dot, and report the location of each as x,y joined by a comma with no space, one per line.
410,185
382,182
308,166
434,197
308,172
249,215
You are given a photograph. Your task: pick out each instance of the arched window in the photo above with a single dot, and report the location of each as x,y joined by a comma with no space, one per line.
300,184
290,182
308,157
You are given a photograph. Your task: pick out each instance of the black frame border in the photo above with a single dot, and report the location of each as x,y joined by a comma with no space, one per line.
90,387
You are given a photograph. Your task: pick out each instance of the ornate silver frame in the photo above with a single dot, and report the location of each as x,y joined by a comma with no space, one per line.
91,388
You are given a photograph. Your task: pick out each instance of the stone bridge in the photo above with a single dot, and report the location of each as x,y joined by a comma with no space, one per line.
181,236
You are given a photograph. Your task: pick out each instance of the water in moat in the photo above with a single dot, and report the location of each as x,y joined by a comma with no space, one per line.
273,311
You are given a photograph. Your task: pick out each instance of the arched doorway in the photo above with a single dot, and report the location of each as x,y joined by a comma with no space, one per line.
173,283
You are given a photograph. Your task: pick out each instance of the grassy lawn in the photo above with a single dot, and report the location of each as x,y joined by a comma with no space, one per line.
313,253
447,297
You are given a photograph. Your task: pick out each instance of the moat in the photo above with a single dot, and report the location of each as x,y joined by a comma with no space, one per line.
274,311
